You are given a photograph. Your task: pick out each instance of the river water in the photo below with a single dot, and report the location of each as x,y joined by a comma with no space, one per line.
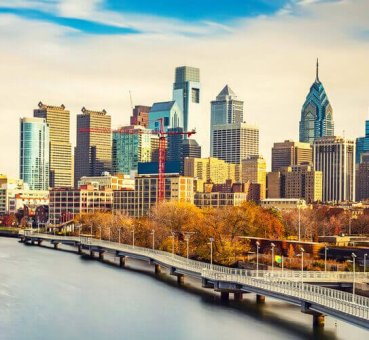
48,294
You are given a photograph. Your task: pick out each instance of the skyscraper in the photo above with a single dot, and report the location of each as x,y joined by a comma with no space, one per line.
93,152
187,94
131,145
235,142
254,171
362,143
226,109
289,153
169,112
335,157
58,120
362,178
140,115
316,114
34,153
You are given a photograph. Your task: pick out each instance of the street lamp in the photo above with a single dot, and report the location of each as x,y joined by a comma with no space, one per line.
302,264
109,234
325,258
100,232
257,258
354,279
211,239
119,235
272,245
187,239
133,238
173,236
298,206
365,255
153,239
91,231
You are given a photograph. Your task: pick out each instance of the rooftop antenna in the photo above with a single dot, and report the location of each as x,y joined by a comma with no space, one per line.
130,98
317,70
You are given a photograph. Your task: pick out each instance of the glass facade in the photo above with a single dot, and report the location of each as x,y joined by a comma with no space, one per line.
362,144
34,153
316,114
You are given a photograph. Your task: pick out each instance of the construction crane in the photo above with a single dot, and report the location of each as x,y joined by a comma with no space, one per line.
162,148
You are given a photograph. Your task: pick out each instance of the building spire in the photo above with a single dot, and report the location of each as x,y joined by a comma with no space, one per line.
317,70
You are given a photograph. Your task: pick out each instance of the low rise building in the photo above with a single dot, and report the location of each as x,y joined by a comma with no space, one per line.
219,199
283,203
107,181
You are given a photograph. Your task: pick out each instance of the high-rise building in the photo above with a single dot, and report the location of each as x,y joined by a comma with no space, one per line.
187,94
254,171
335,157
289,153
235,142
362,143
316,114
93,153
362,178
140,115
58,119
169,112
34,153
131,145
190,148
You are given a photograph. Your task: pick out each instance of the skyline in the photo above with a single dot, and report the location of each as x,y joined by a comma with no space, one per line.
83,67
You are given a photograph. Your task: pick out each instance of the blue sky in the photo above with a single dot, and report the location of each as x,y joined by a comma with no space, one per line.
186,11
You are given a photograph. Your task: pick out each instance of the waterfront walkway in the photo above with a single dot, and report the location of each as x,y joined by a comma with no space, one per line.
303,289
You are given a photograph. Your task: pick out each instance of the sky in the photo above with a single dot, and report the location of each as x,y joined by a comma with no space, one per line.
92,53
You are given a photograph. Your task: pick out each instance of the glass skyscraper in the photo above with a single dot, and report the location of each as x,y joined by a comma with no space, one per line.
362,144
34,153
316,114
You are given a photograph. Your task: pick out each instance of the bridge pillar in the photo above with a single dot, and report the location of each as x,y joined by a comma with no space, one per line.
260,298
39,242
92,253
224,296
101,255
180,279
238,296
318,320
122,261
56,245
79,249
157,269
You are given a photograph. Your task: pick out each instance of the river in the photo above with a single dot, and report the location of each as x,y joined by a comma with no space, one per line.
48,294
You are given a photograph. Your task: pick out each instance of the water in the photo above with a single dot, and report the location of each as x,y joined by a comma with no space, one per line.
48,294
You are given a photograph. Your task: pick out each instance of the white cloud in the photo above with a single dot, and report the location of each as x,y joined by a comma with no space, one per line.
268,61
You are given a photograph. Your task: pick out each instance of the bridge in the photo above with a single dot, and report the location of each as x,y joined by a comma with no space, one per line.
303,289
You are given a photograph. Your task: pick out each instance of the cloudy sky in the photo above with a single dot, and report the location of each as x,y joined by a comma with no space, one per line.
93,52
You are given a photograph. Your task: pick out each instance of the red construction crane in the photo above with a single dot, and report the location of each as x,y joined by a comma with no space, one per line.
162,148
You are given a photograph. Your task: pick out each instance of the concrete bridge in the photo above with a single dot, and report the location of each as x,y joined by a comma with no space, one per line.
302,289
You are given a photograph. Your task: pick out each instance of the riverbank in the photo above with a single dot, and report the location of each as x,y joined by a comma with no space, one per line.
9,232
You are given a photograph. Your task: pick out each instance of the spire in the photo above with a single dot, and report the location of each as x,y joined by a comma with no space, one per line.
317,71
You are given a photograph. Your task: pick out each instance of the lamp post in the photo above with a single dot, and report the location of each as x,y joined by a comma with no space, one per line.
302,264
119,235
365,255
211,239
272,245
325,258
257,258
298,207
91,231
133,238
173,236
153,239
109,234
100,232
354,278
187,239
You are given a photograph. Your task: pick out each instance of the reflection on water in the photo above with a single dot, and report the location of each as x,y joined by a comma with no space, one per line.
48,294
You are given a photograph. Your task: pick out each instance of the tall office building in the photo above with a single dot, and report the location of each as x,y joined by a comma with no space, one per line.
34,153
131,145
226,109
362,143
235,142
170,113
93,153
316,114
187,94
362,178
140,115
254,171
335,157
289,153
58,119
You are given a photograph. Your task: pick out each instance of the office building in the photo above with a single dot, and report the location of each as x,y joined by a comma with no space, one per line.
60,164
362,178
107,181
235,142
34,153
131,145
140,116
219,199
362,144
226,109
93,153
335,157
170,114
316,114
253,169
289,153
187,94
283,203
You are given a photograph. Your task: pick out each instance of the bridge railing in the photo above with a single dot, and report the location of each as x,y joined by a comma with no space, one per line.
345,302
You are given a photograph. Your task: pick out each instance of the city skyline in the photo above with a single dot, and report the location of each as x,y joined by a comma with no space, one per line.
54,68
